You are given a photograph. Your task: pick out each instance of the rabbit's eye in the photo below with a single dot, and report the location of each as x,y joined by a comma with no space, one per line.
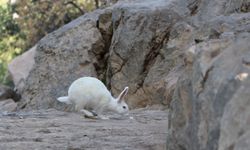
124,107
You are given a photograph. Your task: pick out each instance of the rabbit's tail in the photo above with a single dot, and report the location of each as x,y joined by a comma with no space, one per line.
64,99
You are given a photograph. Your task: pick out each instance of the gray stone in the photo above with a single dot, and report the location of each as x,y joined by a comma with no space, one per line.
199,107
8,105
21,66
234,124
62,57
210,104
138,52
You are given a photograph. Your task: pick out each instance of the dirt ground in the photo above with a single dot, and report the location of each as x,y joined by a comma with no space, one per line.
143,129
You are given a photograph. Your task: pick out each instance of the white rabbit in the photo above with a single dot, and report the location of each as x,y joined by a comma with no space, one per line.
90,96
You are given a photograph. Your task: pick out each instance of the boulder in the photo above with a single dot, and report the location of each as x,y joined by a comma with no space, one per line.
8,105
21,66
60,58
210,104
234,123
139,55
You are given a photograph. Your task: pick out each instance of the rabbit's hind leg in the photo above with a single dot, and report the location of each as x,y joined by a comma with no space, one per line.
88,114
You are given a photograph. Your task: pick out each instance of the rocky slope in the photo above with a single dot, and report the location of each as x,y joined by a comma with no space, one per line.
190,55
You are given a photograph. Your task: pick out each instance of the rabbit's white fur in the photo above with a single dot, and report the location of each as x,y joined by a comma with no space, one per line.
90,94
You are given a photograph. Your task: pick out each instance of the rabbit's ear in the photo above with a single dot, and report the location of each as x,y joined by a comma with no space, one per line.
123,93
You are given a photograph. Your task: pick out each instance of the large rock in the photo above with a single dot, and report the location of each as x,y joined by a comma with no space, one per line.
207,9
210,106
21,66
235,129
8,105
62,57
139,55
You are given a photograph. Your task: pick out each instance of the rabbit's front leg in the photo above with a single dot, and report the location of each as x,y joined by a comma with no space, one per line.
99,111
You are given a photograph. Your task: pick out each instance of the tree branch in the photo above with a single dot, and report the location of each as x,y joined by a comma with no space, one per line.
76,6
96,4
